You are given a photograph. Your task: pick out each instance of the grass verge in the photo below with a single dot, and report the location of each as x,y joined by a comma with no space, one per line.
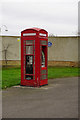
12,76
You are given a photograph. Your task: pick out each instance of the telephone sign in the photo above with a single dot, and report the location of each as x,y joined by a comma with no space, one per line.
49,44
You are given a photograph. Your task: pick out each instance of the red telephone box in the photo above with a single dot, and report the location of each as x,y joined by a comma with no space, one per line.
34,43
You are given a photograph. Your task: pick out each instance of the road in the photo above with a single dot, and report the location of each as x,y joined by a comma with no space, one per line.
59,99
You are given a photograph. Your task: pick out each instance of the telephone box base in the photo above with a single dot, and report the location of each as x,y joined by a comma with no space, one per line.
34,84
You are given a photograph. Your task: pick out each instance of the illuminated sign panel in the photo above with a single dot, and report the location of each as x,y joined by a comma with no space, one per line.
29,34
41,34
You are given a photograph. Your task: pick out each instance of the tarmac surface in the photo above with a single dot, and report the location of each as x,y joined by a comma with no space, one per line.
59,99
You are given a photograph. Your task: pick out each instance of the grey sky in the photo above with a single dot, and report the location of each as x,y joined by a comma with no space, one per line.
58,17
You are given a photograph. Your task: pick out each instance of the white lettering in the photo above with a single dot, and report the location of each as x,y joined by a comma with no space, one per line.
41,34
29,34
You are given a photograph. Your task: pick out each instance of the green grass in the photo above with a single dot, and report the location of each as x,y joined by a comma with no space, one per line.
12,76
59,72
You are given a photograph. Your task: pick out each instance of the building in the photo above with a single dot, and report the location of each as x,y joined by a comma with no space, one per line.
63,52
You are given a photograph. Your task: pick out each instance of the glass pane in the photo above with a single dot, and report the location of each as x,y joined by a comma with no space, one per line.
29,64
43,42
29,42
29,49
43,72
34,69
34,59
43,59
34,77
29,77
44,76
24,76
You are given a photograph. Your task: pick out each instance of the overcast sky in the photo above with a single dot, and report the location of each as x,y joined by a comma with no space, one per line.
58,17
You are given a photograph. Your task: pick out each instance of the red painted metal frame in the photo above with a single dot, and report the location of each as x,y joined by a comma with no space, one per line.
37,73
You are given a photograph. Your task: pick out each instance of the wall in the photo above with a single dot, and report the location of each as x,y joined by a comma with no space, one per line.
63,52
11,45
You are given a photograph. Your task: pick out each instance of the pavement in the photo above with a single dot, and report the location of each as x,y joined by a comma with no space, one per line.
59,99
